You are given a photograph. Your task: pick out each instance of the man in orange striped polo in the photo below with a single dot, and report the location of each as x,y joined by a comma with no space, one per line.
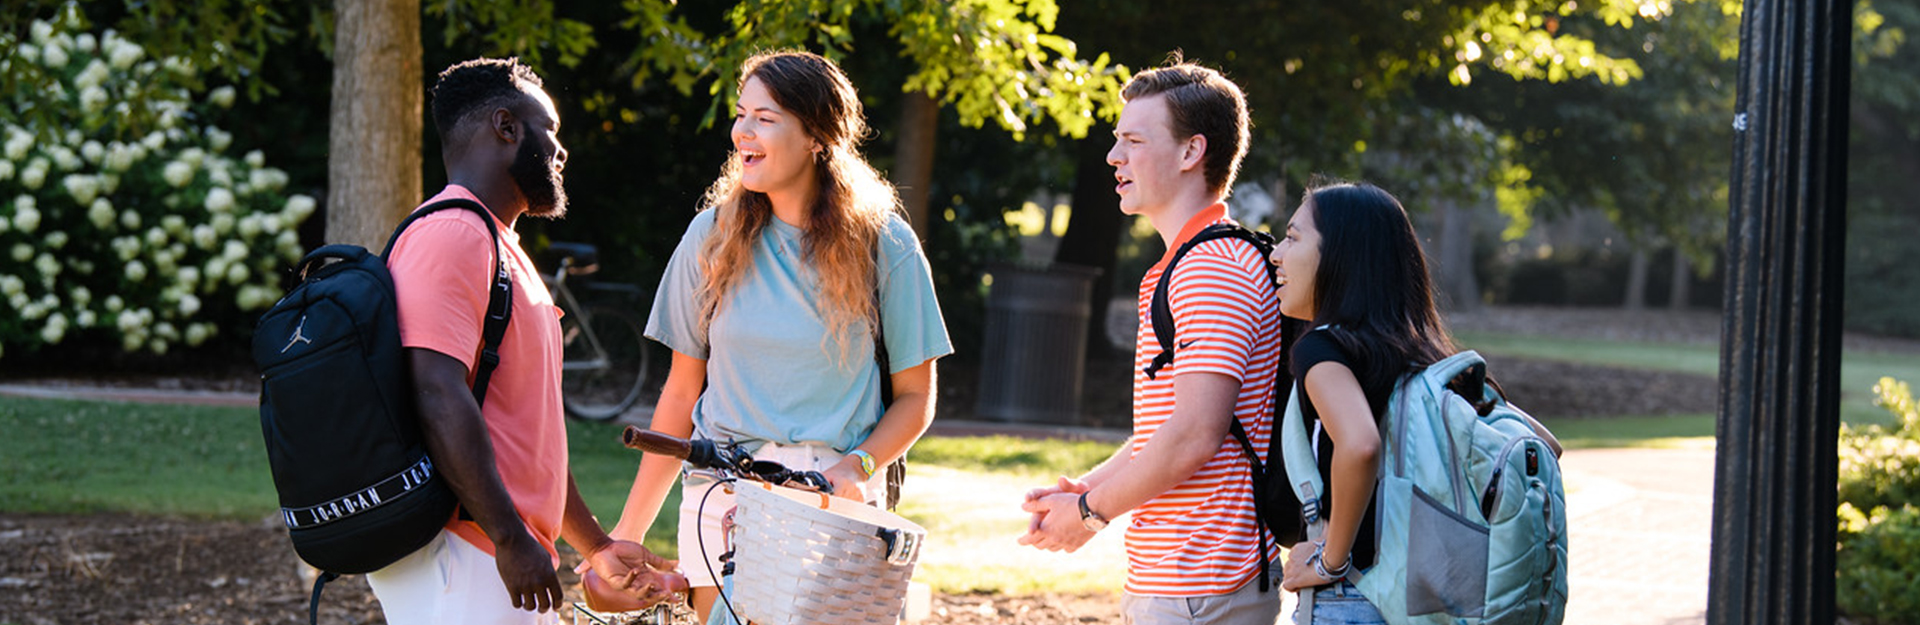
1193,549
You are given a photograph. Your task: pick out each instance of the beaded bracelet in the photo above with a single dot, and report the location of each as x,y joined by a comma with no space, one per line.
1320,564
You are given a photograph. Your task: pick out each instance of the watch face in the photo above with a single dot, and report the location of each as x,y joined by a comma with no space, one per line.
1093,523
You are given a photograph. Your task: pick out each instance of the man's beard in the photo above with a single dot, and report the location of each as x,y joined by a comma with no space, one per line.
539,182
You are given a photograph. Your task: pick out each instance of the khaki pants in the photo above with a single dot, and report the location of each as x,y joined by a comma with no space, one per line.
1246,606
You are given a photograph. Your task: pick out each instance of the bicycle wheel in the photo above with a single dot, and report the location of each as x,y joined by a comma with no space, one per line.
599,388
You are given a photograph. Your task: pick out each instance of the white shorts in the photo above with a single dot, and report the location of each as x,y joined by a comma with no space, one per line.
719,504
449,581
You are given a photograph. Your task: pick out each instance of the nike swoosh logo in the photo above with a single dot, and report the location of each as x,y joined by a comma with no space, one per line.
1186,344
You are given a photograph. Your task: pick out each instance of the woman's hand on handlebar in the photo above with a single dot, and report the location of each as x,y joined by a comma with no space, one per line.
846,479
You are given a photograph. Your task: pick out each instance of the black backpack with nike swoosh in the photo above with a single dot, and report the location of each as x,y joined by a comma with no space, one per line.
1274,502
357,490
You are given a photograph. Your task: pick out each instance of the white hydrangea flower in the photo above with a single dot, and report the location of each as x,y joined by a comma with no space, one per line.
127,247
29,53
198,333
35,174
154,140
19,301
83,267
189,304
299,207
64,158
6,170
216,270
131,341
92,151
11,285
101,213
193,156
272,224
255,159
46,265
33,311
84,319
73,138
219,139
124,54
156,237
188,277
178,174
80,296
222,224
95,74
54,57
22,252
53,332
83,188
219,200
93,99
108,182
219,175
56,240
86,43
114,304
25,218
129,219
163,262
221,97
234,251
250,226
18,142
41,31
204,237
158,347
175,225
178,65
135,270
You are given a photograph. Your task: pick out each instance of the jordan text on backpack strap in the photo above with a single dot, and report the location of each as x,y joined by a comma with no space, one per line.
1161,310
362,501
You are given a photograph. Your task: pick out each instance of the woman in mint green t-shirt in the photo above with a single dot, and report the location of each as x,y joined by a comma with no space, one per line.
769,304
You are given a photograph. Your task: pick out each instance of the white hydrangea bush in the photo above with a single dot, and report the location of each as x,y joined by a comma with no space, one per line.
154,237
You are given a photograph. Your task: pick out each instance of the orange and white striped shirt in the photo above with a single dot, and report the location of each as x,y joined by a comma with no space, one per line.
1200,537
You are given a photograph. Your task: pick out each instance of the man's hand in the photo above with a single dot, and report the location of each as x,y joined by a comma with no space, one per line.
527,570
1056,522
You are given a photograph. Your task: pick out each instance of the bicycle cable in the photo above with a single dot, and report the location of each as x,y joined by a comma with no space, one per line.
699,536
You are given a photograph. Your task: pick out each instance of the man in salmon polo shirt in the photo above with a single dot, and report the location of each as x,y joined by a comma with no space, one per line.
1193,549
506,459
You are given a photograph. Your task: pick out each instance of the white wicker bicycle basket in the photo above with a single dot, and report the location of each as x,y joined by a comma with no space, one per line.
803,557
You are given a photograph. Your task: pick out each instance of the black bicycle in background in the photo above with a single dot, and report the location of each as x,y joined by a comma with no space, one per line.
606,361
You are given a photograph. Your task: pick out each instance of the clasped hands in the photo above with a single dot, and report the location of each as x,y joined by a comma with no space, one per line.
623,576
1056,524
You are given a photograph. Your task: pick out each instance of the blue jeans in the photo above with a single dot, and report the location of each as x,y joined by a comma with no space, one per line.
1341,604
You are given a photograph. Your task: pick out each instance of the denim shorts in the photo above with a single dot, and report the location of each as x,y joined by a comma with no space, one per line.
1341,604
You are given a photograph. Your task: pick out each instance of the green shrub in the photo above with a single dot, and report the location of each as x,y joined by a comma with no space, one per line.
126,223
1879,531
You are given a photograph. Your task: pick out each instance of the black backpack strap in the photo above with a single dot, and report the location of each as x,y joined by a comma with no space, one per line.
1260,511
499,295
896,470
313,607
1162,310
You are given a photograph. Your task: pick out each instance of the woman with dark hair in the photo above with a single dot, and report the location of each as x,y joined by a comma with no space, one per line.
1351,266
771,304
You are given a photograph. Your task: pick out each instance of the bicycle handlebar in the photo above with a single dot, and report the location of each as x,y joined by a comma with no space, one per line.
726,457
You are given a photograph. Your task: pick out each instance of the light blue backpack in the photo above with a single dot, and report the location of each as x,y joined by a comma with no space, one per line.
1471,512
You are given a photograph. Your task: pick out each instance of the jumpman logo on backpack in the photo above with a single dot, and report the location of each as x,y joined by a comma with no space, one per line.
297,337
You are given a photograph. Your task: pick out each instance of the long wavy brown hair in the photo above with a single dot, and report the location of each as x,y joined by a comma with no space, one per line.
846,218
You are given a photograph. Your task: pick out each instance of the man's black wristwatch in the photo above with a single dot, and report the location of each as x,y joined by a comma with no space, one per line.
1090,519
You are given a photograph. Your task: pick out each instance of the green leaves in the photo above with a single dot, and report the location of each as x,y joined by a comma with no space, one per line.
991,60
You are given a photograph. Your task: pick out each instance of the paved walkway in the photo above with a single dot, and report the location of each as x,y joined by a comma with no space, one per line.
1640,519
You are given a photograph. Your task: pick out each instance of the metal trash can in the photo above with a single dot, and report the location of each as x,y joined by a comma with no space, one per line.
1034,356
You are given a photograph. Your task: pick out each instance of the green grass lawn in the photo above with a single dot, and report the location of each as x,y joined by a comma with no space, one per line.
1859,371
81,457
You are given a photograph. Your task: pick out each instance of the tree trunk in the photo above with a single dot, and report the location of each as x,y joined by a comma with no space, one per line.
1638,266
913,157
1093,229
1681,289
373,162
1454,257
